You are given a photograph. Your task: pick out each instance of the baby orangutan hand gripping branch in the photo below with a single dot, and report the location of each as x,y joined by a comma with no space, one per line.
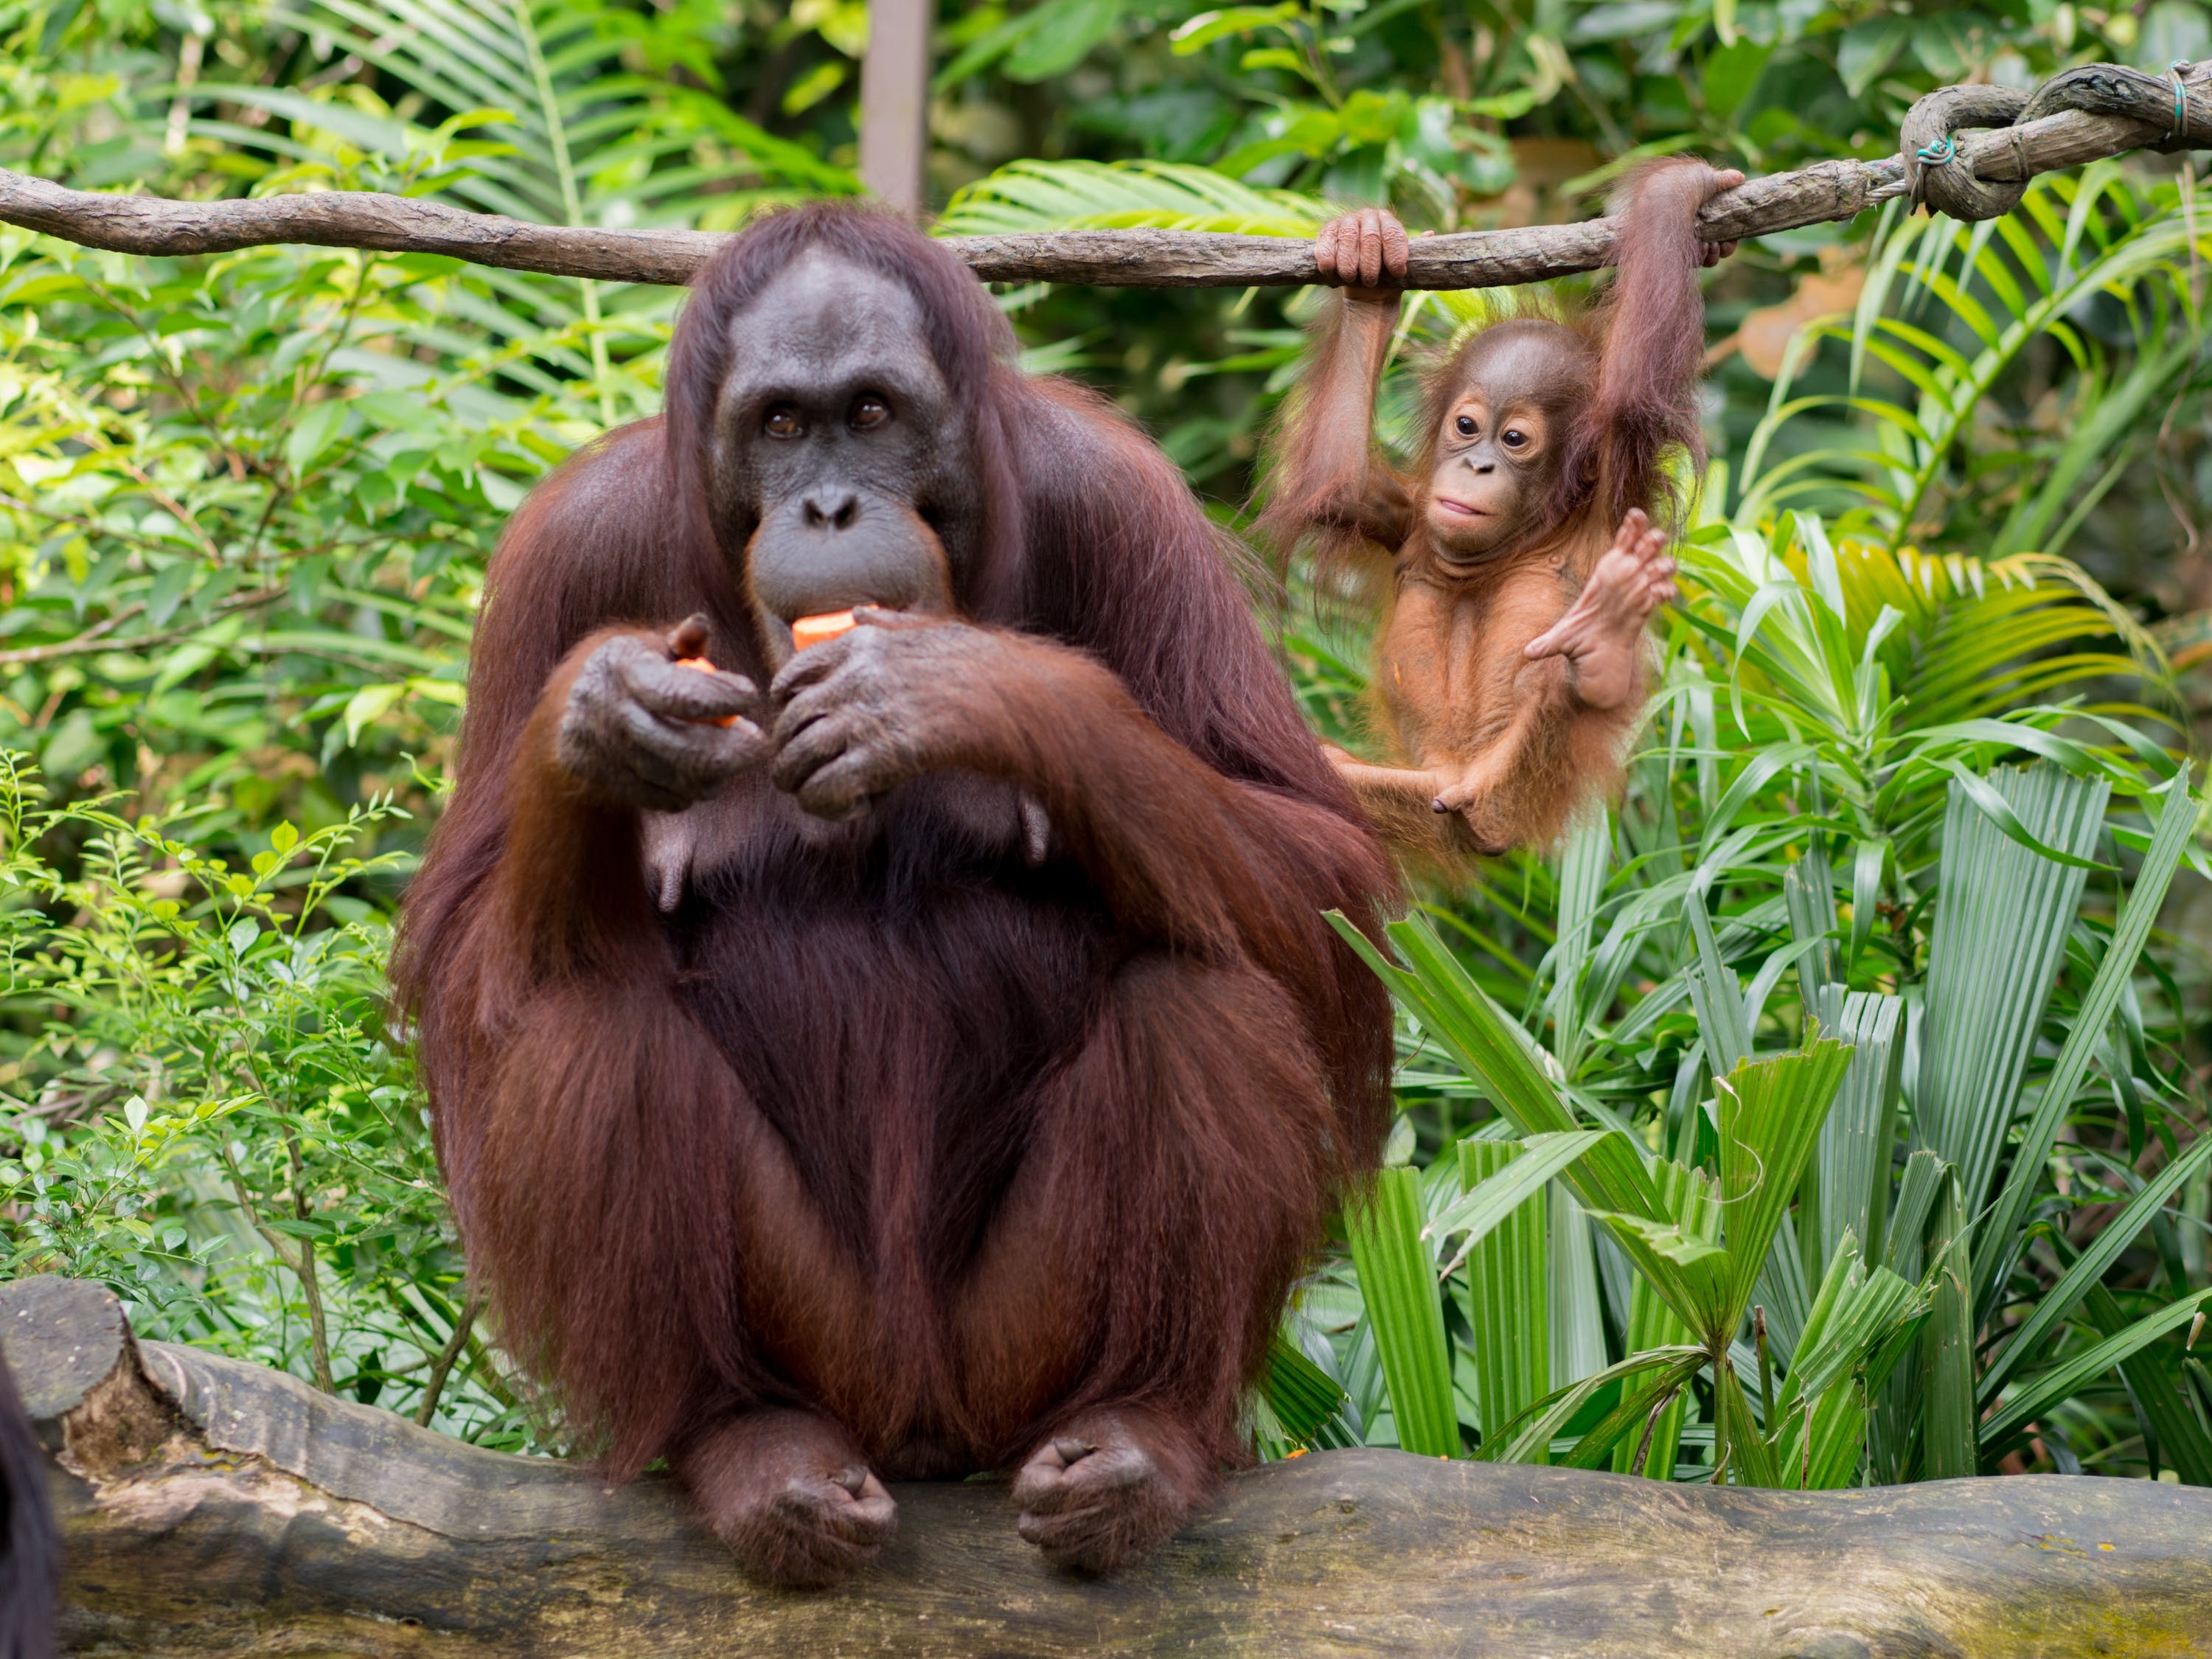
1528,547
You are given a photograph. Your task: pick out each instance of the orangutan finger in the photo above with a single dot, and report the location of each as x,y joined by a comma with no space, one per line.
1397,250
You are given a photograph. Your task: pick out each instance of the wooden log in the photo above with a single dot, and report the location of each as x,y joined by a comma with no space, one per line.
216,1508
1825,191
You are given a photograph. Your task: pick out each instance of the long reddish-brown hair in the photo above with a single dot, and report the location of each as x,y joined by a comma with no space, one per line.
590,1122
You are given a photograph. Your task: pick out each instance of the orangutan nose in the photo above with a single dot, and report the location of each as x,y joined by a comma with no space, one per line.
831,512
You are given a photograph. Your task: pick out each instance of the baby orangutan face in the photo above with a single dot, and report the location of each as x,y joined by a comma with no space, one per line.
1498,448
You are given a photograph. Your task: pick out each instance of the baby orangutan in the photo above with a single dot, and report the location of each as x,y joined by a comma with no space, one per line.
1528,538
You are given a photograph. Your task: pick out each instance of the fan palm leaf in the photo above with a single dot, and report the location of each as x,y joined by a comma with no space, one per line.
1948,309
1041,196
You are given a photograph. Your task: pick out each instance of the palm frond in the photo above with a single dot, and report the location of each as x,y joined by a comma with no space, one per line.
1947,311
1040,196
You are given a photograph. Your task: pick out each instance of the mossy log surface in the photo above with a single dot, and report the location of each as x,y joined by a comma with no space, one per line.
216,1508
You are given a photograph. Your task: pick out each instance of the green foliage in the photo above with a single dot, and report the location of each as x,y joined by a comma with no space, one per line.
236,533
1736,1151
207,1110
1951,310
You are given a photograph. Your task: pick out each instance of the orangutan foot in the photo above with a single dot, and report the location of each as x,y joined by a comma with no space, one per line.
1488,832
1107,1488
789,1495
1602,635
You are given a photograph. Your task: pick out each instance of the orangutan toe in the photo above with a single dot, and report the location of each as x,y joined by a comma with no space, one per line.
785,1491
1106,1490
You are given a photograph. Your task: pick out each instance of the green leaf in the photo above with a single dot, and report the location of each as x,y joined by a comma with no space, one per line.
1847,1189
1507,1284
1718,998
318,425
1647,1406
2094,1262
2002,915
1867,49
1692,1273
1948,1447
1304,1397
1276,57
2160,1395
2065,1379
1063,34
368,705
1505,1183
1583,865
1741,1448
1433,986
1203,28
1036,196
811,88
1730,74
1855,1327
2176,826
1529,1440
1771,1115
2000,813
1685,1195
1397,1283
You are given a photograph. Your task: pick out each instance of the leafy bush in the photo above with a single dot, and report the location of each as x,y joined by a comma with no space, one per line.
211,1115
1772,1204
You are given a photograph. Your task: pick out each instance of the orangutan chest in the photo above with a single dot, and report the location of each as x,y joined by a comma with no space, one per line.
1450,665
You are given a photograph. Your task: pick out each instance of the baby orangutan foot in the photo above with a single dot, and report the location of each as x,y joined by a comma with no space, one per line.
1485,831
1107,1488
789,1495
1602,635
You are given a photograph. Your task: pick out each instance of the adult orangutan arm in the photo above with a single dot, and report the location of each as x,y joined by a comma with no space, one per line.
1178,851
620,728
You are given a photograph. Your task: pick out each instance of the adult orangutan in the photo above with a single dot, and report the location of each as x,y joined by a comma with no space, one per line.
29,1557
938,1061
1524,560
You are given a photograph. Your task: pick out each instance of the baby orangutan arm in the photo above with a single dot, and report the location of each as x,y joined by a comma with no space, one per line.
1579,686
1328,480
1602,635
1646,396
1572,691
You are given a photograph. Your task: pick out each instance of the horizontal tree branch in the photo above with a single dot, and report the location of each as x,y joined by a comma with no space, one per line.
1828,191
213,1507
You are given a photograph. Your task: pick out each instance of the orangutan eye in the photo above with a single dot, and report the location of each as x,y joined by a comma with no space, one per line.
1514,437
870,413
783,422
1466,425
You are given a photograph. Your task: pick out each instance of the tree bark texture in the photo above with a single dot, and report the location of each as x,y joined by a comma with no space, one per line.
215,1508
1148,258
895,101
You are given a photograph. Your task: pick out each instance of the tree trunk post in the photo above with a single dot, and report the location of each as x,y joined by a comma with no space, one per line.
895,101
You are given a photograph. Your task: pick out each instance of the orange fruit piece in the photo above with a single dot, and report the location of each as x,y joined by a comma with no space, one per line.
702,665
812,630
